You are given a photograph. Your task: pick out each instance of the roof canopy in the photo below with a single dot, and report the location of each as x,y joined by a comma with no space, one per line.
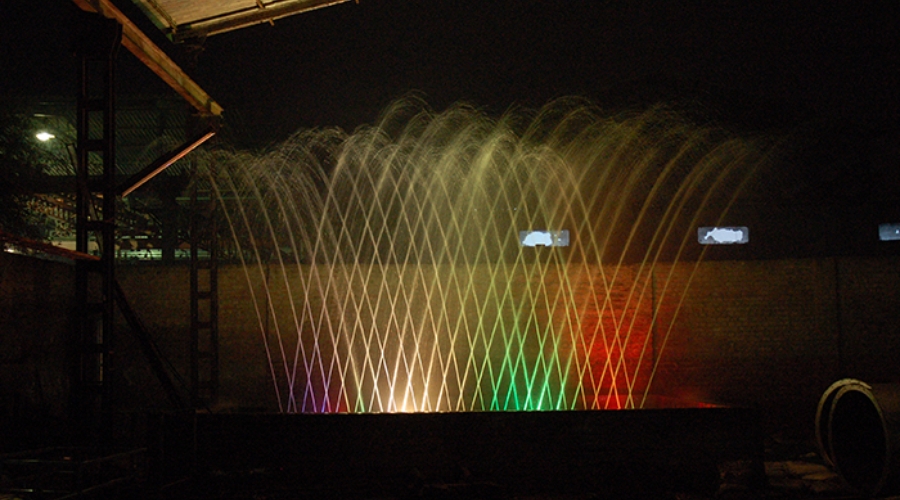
183,19
153,57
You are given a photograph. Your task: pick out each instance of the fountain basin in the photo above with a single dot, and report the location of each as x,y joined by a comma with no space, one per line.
673,447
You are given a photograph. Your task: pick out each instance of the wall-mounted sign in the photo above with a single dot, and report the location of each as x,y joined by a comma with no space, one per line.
732,235
544,238
889,232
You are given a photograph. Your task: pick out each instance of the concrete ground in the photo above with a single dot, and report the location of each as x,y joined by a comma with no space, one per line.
794,471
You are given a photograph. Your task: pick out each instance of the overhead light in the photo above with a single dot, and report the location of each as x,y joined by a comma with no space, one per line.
44,136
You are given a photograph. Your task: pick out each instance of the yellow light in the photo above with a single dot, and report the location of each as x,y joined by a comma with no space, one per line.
44,136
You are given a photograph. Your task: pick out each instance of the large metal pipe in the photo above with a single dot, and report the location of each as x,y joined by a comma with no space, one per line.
823,415
864,437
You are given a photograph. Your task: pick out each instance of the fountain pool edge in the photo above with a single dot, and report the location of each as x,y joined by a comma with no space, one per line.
614,451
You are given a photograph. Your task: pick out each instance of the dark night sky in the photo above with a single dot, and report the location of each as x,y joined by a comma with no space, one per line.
342,65
769,64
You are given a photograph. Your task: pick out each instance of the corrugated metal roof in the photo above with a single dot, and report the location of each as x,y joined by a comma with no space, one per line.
183,19
153,57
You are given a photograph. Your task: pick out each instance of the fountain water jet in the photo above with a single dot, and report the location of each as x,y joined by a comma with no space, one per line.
400,283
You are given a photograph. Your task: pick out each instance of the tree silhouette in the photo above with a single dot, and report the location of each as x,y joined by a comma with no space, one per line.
23,163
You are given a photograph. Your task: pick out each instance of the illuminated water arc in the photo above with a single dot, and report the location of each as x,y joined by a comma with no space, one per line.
409,291
751,165
672,208
253,299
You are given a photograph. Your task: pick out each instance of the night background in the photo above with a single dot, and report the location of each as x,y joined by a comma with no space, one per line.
772,63
808,91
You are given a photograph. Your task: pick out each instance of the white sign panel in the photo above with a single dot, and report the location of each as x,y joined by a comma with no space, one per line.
733,235
889,232
544,238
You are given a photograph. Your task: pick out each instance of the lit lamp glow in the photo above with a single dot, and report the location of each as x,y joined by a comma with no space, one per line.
44,136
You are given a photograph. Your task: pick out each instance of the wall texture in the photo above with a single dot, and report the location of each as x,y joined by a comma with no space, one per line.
36,302
770,334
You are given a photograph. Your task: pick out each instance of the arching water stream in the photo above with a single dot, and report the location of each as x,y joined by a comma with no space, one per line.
396,279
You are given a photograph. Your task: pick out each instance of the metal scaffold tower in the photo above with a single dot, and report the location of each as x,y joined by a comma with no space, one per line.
204,295
94,377
102,29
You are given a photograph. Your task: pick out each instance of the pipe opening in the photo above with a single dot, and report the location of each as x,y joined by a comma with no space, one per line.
858,439
823,415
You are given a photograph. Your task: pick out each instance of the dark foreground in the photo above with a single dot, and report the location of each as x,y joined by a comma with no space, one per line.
678,453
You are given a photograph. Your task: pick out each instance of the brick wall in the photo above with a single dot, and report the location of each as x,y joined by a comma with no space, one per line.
869,329
161,297
36,302
761,333
772,334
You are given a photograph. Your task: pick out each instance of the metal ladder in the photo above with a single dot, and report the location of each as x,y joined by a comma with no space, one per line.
94,370
204,294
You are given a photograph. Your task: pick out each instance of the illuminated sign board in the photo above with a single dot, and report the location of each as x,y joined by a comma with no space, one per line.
732,235
544,238
889,232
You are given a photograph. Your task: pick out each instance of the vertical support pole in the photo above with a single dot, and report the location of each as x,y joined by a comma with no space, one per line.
94,371
654,311
204,291
839,321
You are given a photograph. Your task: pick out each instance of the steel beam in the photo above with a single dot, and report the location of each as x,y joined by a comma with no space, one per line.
154,58
204,293
247,17
44,247
163,162
94,372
